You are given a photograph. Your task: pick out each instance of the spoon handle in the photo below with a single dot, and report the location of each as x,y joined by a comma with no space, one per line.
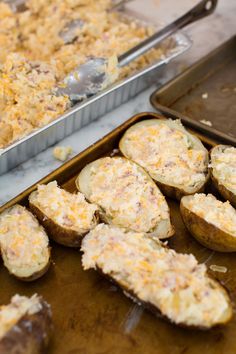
203,9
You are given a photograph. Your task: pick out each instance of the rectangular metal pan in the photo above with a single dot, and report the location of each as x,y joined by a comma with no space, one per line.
91,316
206,91
91,109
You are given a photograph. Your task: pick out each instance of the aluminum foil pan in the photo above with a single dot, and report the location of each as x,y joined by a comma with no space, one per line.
91,109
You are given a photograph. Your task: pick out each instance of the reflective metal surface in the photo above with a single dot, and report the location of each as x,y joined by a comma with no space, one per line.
84,113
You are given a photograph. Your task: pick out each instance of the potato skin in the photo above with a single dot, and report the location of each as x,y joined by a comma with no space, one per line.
36,275
168,190
177,193
80,184
156,312
224,192
59,234
30,335
207,234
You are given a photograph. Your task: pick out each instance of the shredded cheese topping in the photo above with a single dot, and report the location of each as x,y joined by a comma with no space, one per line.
35,59
215,212
174,283
223,162
19,307
167,153
127,194
23,241
66,209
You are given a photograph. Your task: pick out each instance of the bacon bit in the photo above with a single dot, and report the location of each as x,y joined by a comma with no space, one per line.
217,268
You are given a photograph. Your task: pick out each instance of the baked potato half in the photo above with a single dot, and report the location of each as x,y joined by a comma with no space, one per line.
174,158
126,196
168,283
24,244
223,171
25,326
67,217
210,221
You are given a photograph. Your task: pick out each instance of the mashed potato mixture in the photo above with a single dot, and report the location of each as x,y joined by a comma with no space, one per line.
35,57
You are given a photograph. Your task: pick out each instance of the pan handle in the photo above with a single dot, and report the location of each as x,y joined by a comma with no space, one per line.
202,9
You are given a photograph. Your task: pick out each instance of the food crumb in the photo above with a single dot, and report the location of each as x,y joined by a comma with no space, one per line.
62,153
114,152
205,95
206,122
217,268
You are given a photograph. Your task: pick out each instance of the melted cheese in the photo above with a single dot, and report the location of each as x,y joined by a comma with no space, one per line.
167,154
174,283
23,241
223,163
215,212
19,307
127,194
66,209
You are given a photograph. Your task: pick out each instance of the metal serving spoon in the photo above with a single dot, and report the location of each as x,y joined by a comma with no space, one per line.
91,77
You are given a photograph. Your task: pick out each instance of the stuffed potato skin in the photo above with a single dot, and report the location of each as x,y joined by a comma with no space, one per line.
156,312
30,335
59,234
119,171
129,144
24,244
67,217
206,233
169,284
225,192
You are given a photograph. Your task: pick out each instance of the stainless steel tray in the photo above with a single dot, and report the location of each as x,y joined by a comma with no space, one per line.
91,109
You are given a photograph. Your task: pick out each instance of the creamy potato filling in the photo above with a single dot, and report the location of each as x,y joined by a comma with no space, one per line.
34,39
19,307
223,162
167,153
66,209
220,214
27,99
127,194
174,283
23,241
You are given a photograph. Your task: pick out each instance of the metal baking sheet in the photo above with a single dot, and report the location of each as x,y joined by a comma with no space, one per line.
206,91
90,314
87,111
